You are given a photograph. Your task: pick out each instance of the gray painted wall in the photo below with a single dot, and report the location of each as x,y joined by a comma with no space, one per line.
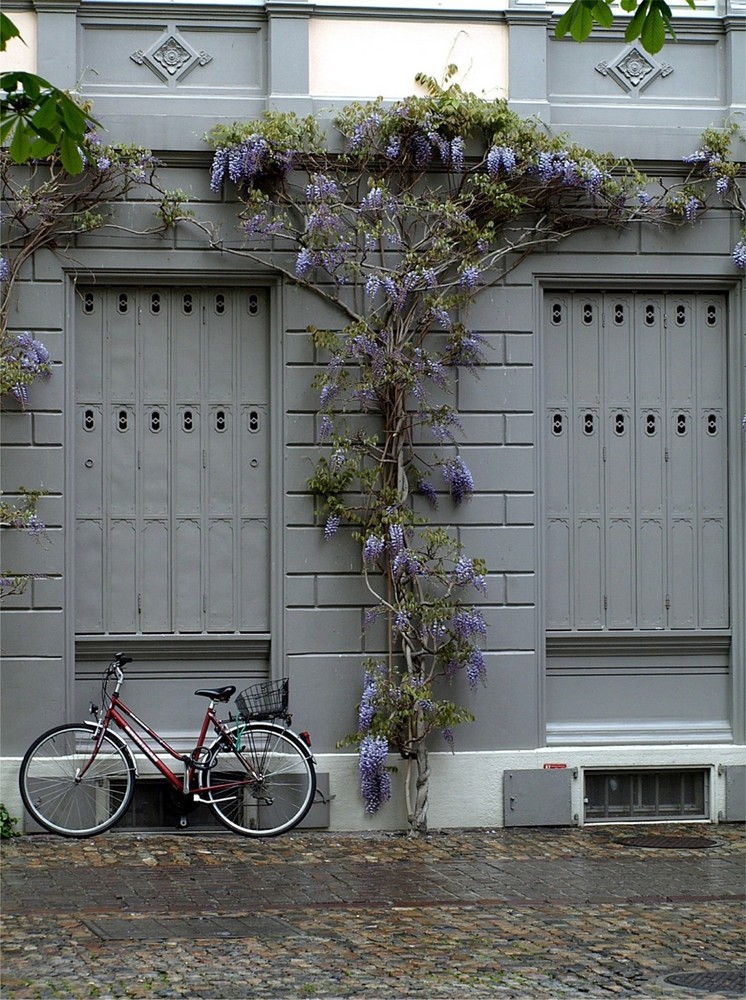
259,59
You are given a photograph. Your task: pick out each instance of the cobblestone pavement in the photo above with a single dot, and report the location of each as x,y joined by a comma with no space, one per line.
461,914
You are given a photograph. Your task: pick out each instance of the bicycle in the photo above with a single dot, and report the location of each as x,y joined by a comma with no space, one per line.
258,776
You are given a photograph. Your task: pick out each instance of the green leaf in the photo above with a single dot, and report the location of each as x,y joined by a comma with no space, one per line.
635,25
628,5
32,84
43,147
602,14
565,23
72,161
46,114
8,124
8,30
20,147
653,34
73,117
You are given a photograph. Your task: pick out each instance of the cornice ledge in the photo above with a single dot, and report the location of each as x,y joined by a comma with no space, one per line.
162,12
528,15
345,11
56,6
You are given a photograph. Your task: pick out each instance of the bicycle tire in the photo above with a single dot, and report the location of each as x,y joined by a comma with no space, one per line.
59,803
281,797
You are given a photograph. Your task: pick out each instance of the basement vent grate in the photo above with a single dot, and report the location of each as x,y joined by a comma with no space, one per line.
670,843
166,928
731,981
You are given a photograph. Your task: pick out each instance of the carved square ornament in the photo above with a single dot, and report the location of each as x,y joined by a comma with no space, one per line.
171,57
634,70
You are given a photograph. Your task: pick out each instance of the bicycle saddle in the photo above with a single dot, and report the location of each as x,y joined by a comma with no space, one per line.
218,694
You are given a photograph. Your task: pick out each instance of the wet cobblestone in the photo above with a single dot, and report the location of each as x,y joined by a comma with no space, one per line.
472,914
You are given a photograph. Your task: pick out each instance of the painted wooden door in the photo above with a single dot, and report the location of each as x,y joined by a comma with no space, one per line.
172,460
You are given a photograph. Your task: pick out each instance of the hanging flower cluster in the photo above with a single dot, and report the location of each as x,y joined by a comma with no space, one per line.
22,359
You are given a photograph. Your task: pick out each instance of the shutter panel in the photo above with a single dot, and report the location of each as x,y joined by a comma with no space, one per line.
171,480
636,477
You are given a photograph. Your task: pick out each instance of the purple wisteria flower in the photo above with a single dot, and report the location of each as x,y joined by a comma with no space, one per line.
691,208
375,780
465,574
364,129
34,361
332,525
402,621
420,149
393,148
4,270
367,708
370,617
304,262
406,564
219,168
337,459
722,186
469,277
427,489
501,159
698,156
459,479
373,548
373,201
644,199
396,538
467,623
323,221
476,669
35,526
326,428
442,317
739,254
321,187
457,153
467,350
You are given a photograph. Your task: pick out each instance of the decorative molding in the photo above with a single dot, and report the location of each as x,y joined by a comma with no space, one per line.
172,55
633,69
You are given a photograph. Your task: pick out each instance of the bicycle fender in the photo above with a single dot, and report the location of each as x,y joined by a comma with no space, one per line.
115,738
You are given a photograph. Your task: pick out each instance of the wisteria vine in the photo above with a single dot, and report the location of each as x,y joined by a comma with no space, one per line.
399,220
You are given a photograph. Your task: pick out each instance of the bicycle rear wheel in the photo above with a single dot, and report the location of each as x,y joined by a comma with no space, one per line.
261,782
61,801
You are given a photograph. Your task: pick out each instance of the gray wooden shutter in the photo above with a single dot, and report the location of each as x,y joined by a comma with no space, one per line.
635,462
172,450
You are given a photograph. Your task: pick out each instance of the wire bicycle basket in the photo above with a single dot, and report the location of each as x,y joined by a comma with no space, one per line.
268,700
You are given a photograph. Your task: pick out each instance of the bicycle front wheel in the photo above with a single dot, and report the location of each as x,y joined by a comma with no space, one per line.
260,781
59,798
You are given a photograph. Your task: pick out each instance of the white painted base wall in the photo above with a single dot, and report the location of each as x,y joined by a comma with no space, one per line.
467,788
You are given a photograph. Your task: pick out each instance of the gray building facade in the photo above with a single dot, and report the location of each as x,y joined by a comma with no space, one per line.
605,426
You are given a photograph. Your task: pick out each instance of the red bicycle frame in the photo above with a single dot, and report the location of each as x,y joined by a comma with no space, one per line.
116,713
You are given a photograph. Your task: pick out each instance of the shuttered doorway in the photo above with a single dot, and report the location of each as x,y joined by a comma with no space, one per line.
636,521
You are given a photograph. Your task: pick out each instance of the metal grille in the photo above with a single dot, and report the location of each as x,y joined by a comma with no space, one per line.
629,796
